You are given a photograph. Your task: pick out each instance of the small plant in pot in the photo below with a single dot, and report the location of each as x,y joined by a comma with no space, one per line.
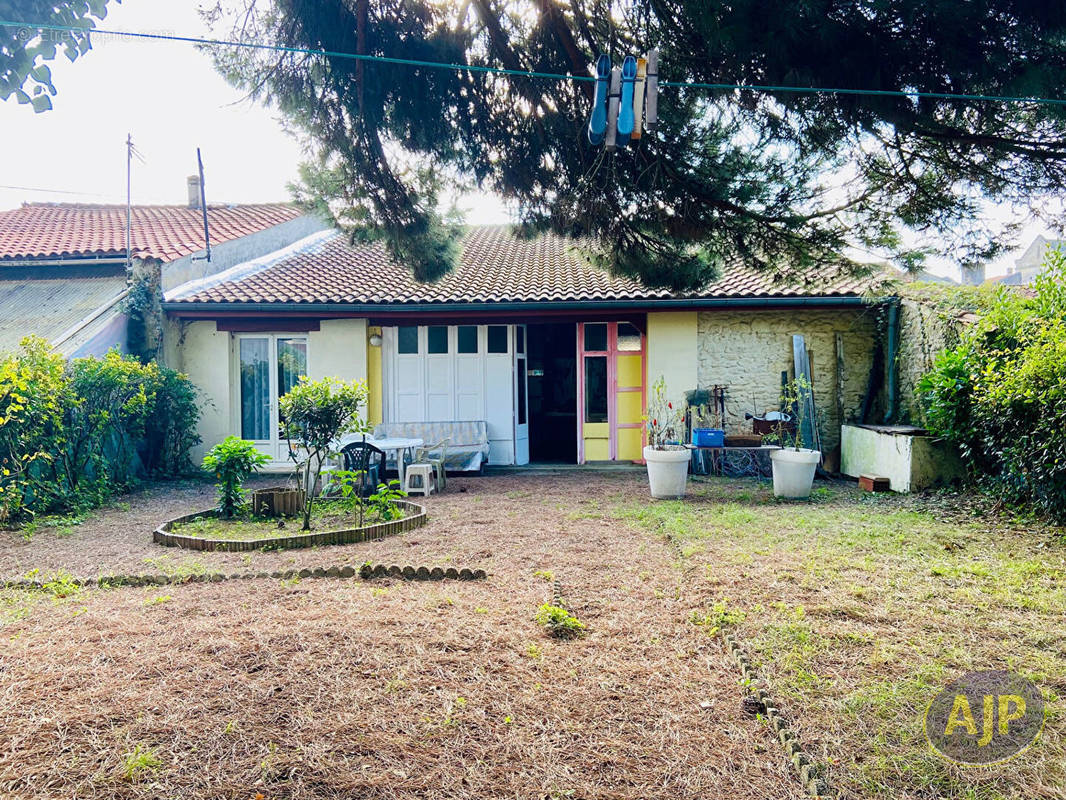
667,459
794,465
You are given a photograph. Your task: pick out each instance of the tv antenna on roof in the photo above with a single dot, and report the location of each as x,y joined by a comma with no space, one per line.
131,151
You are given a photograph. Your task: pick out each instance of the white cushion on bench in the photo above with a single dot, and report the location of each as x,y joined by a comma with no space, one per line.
468,441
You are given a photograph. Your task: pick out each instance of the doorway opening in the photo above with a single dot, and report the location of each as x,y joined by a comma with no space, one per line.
552,371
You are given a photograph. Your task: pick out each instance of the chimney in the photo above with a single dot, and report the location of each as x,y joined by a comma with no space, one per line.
973,274
194,191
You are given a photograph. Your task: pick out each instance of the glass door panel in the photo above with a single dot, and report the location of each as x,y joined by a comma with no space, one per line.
255,389
521,398
269,367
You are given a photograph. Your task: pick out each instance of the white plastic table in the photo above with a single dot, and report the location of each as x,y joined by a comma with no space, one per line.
392,444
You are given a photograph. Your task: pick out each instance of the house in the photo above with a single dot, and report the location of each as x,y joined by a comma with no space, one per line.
1030,263
65,273
556,355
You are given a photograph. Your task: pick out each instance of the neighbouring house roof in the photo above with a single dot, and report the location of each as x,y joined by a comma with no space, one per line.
494,266
65,312
167,233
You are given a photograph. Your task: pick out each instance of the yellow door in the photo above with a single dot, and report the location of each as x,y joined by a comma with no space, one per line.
611,392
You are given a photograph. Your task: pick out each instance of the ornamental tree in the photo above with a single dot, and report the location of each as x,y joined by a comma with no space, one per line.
314,414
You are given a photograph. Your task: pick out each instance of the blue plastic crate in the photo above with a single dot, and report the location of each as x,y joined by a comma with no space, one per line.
708,437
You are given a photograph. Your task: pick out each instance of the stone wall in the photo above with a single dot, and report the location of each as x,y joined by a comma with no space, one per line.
924,331
748,351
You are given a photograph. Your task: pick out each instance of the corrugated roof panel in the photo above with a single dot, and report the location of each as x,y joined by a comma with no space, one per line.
50,308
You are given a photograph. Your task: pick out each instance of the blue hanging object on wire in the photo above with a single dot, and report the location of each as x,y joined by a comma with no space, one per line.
625,108
598,119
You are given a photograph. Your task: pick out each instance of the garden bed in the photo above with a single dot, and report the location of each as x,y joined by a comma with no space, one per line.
204,530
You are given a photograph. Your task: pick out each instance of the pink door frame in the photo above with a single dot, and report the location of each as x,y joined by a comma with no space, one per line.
611,353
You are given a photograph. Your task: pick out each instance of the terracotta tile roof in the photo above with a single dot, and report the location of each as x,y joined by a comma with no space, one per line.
495,266
65,230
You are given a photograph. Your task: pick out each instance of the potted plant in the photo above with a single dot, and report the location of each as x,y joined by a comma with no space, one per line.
666,458
794,465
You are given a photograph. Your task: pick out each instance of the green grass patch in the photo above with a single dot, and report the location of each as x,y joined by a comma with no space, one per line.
858,609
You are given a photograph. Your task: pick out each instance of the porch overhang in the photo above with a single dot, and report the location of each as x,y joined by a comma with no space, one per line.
379,313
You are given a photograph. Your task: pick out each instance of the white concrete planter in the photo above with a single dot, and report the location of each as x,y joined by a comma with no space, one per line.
667,471
794,471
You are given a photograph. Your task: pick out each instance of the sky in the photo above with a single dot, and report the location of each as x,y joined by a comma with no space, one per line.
170,99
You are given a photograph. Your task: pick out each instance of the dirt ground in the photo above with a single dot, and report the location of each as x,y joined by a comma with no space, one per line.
381,689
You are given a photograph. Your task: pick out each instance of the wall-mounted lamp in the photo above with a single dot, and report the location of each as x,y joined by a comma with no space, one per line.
375,340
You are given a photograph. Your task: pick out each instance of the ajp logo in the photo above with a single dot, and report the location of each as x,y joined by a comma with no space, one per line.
985,717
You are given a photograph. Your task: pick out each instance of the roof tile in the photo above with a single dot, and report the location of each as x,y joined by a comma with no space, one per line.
64,230
495,266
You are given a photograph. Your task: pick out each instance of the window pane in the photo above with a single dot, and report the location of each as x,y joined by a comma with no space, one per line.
438,339
292,363
255,388
628,337
468,338
407,339
497,338
520,339
595,388
596,336
521,374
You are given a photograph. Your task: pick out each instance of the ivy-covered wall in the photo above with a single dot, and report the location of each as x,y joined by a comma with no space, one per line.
925,329
932,317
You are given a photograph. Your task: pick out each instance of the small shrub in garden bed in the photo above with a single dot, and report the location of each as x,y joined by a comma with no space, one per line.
314,415
233,461
559,622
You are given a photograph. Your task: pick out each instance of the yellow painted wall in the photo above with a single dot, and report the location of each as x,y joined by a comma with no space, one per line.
374,380
204,355
673,351
338,350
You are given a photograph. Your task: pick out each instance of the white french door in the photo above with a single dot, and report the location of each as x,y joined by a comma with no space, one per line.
458,372
269,365
521,397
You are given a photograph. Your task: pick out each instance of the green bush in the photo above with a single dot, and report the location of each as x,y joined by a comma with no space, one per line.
72,434
233,461
34,396
1001,394
170,427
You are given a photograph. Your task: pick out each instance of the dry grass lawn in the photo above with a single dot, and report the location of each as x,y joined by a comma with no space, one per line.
328,688
856,609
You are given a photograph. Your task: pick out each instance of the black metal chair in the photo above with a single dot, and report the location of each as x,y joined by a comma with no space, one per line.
368,461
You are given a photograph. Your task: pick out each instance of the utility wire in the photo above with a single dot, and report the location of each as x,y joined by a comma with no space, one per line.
51,191
557,76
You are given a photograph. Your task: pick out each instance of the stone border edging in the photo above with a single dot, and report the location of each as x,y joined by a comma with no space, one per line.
379,530
814,785
366,572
